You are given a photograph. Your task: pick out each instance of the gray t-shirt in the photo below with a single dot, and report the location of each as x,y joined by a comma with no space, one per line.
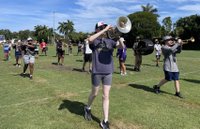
102,52
170,62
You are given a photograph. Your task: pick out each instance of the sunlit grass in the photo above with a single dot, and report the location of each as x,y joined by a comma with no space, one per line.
54,99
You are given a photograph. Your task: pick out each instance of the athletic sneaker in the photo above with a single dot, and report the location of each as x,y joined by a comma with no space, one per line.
31,77
87,115
156,89
178,94
104,125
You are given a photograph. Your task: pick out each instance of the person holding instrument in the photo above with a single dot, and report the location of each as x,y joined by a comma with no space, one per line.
137,54
29,57
102,68
170,66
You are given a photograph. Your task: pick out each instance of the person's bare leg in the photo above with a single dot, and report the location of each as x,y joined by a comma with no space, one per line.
162,82
93,94
177,85
105,97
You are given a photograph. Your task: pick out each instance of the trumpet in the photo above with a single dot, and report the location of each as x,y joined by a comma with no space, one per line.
123,25
186,41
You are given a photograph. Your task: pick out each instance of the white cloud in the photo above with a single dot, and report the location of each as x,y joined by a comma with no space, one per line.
195,7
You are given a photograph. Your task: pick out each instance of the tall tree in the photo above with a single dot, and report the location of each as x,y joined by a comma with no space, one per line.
66,28
144,24
42,32
189,27
167,24
149,8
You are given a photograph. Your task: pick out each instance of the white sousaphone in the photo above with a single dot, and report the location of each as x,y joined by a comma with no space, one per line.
123,25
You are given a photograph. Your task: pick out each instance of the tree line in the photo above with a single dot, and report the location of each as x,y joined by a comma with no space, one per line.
144,24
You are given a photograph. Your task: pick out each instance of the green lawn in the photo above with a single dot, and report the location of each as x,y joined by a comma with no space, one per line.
55,98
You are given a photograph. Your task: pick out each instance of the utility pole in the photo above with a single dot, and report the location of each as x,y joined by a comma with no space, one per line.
54,35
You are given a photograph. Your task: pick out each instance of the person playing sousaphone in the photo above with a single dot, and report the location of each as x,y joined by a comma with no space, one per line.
137,54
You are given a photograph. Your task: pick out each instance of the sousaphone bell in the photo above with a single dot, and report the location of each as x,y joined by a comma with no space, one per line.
123,25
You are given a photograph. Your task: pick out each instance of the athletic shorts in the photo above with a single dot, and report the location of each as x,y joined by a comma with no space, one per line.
106,79
88,57
29,59
122,59
171,76
158,56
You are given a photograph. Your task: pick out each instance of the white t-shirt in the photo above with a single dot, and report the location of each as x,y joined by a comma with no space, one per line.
87,48
158,49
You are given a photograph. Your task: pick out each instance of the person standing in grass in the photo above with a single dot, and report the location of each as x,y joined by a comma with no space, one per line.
102,69
122,58
60,51
18,53
87,55
43,46
170,66
29,57
137,54
6,49
157,48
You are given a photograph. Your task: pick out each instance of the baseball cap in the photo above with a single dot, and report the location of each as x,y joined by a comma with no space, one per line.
100,25
29,39
167,38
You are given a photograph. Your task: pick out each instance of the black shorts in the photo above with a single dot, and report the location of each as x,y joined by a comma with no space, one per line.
60,53
88,57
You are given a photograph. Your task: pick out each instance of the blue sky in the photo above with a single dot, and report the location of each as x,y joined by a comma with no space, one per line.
18,15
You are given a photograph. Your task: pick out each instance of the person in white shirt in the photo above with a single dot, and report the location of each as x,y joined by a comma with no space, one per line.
87,55
158,51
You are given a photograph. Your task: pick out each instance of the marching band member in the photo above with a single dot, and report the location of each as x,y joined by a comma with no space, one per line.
18,53
158,51
60,52
87,55
137,54
170,66
29,57
102,69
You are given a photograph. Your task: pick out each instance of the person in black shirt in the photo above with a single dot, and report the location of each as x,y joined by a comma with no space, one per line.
60,52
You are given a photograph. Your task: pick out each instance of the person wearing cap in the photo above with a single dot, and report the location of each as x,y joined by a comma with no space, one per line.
102,68
157,48
170,66
137,54
29,57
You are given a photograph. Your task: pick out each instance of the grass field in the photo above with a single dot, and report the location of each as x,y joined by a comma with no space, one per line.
55,98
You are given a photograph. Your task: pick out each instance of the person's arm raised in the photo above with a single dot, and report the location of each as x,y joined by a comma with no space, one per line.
96,35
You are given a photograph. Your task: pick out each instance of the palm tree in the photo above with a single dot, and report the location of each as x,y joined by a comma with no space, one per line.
149,8
66,28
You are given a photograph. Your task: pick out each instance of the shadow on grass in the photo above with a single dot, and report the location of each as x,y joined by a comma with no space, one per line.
146,88
75,107
26,75
79,60
150,65
142,87
54,63
129,65
192,80
77,69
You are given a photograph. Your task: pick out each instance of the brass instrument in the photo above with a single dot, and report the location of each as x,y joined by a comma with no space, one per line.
123,26
186,41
